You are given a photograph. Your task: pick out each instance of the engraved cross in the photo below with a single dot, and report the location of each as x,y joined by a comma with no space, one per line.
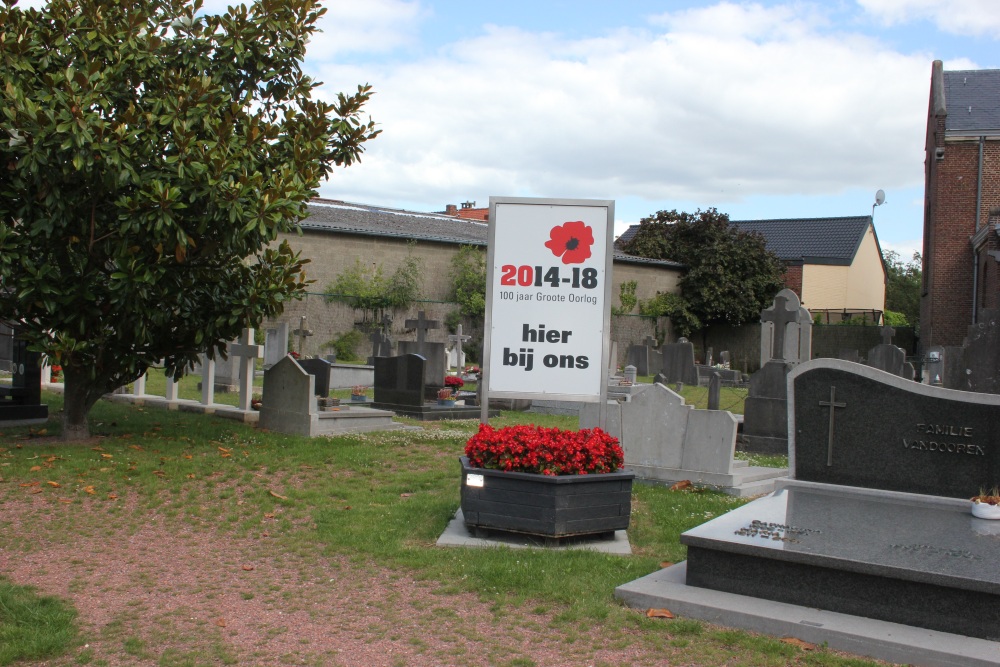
833,405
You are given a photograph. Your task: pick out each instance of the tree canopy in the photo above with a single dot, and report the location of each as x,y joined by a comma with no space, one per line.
730,276
902,289
149,156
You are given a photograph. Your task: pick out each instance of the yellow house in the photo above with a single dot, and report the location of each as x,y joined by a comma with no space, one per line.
834,264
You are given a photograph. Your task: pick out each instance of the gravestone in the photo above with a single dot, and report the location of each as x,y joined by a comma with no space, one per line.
714,391
289,405
725,359
275,344
848,354
666,440
875,522
786,330
301,334
227,370
887,357
456,356
21,403
934,366
678,363
319,369
630,373
399,381
245,354
645,357
435,367
381,345
765,410
6,347
981,356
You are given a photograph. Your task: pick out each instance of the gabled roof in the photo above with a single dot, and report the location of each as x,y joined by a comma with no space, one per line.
808,240
811,240
972,101
332,215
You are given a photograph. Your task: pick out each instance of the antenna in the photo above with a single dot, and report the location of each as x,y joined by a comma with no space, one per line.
879,200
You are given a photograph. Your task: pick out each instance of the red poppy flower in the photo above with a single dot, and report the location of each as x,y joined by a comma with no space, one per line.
571,241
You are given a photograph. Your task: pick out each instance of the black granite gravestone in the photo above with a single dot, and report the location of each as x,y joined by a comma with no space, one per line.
981,357
22,400
320,369
857,427
400,380
678,362
765,411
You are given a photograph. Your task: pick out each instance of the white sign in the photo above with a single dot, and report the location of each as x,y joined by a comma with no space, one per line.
474,480
547,299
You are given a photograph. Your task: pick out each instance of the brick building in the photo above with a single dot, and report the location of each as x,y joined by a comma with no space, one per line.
961,256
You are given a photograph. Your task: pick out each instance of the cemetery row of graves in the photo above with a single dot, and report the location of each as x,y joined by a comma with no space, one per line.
862,440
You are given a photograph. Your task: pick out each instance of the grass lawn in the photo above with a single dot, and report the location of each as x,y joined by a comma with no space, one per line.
378,499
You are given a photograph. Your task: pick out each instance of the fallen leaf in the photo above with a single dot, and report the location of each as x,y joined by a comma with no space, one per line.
347,507
188,456
805,646
135,447
41,431
89,489
65,500
659,613
278,495
223,450
665,564
34,468
97,449
31,484
680,486
112,496
35,491
106,456
54,485
159,473
221,622
405,495
247,567
190,475
269,515
51,459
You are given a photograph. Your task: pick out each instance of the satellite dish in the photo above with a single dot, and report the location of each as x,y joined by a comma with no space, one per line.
880,197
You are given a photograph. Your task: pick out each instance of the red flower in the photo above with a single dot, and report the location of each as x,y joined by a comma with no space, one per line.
547,451
454,381
571,241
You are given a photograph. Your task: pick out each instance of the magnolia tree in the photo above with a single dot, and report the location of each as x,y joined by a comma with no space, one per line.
149,157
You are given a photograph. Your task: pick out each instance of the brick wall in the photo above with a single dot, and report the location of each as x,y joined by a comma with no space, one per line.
947,303
793,279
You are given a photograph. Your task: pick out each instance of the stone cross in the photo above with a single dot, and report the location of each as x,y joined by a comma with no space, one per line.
379,344
458,338
421,324
887,333
247,352
302,333
780,317
649,342
833,405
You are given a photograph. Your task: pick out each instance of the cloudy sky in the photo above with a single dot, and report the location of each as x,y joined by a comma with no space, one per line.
762,109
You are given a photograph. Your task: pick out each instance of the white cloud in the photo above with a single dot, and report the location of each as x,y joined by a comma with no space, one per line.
960,17
705,105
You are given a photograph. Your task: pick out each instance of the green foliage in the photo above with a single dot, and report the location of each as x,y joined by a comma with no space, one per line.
894,319
903,284
366,288
730,275
33,627
468,286
346,345
151,156
674,306
626,295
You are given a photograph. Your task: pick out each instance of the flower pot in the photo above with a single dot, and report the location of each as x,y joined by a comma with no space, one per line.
545,505
447,402
357,398
985,511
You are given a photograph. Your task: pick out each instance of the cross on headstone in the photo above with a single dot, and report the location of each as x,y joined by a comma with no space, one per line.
649,342
458,338
833,405
421,324
302,333
247,352
379,341
780,317
887,333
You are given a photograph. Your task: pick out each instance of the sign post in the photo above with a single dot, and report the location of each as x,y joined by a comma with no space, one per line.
548,300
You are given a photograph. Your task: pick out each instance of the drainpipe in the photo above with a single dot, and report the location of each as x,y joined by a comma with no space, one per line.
979,209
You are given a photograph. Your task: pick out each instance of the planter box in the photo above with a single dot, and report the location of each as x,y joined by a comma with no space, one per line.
561,506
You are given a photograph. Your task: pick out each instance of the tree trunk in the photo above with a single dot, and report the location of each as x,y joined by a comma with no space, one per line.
80,394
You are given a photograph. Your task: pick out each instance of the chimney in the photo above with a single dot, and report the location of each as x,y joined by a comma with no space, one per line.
468,204
450,209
